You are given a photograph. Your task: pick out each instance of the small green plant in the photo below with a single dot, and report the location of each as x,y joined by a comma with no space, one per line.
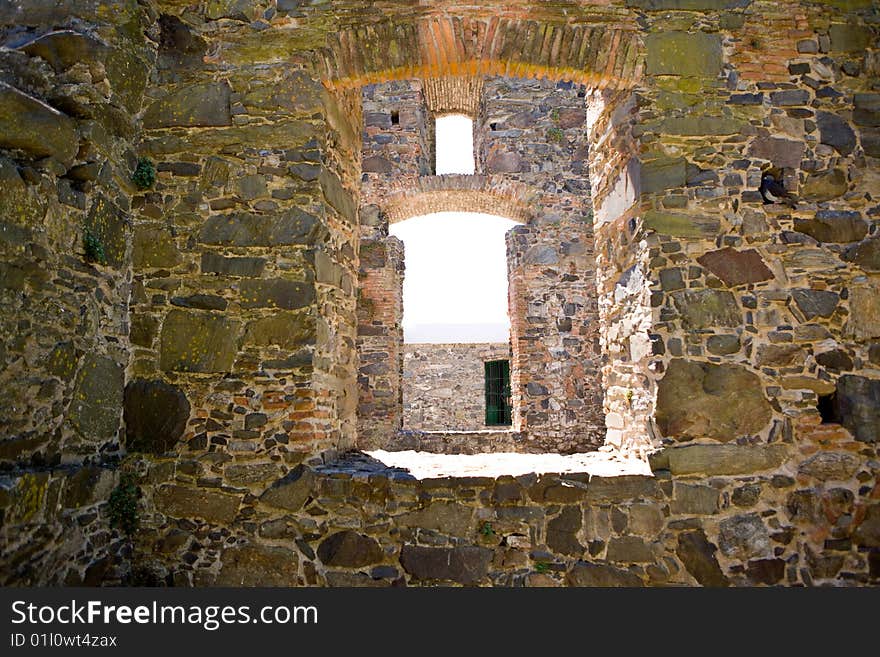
145,174
94,248
122,505
486,529
542,567
629,396
555,134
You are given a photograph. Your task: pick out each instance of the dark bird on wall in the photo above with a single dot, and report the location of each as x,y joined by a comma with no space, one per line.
773,191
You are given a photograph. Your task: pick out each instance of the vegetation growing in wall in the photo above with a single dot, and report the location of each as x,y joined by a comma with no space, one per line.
94,248
555,135
122,505
144,175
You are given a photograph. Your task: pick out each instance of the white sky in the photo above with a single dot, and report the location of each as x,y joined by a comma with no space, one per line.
455,286
454,136
456,274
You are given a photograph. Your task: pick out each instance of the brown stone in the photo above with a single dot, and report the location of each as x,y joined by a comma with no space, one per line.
698,557
736,267
702,400
783,153
825,466
155,415
291,491
704,308
601,575
350,550
258,565
185,502
467,565
725,459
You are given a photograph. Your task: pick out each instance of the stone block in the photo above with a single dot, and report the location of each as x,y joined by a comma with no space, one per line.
467,565
682,53
288,228
681,225
834,226
96,406
694,499
153,246
601,575
191,106
698,557
562,532
864,312
725,459
36,128
349,549
198,342
258,565
744,537
858,406
291,491
825,466
707,308
188,502
155,415
736,267
276,293
835,132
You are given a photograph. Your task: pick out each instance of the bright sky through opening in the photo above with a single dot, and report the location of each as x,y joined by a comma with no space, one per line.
454,136
455,285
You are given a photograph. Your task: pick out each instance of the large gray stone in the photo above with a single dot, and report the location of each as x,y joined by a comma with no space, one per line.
629,549
836,132
694,499
706,308
858,406
601,575
698,557
247,267
834,226
867,110
687,5
663,173
824,186
292,227
31,125
287,330
96,407
681,225
153,246
198,342
725,459
562,532
258,565
683,53
444,517
736,267
744,537
109,225
193,105
702,400
291,491
155,415
815,303
350,550
825,466
865,254
467,565
276,293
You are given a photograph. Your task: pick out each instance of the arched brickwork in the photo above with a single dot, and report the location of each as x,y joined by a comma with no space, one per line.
594,55
458,193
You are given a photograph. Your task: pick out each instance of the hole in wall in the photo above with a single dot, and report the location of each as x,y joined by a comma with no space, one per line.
827,407
454,137
395,117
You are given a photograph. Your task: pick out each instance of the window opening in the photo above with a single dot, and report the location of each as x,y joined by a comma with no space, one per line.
454,138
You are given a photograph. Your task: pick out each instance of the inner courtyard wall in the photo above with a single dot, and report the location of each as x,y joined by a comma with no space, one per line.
444,385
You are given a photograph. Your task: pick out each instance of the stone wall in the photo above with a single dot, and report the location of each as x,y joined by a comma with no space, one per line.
218,307
444,385
71,84
712,515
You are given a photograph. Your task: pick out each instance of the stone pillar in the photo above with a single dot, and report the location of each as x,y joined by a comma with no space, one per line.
380,342
245,255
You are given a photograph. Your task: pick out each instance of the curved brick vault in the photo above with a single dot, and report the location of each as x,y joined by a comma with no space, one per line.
409,198
597,56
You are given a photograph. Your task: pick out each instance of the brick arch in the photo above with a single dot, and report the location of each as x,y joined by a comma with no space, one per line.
599,56
458,193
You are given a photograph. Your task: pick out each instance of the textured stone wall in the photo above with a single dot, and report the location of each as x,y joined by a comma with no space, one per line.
71,83
444,385
224,318
712,515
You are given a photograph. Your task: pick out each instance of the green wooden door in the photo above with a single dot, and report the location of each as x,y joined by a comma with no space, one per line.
497,392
